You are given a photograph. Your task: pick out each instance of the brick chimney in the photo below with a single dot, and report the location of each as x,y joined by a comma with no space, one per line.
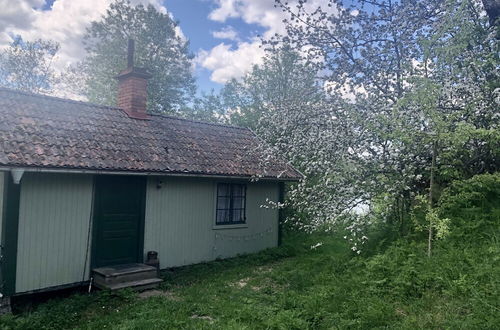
133,87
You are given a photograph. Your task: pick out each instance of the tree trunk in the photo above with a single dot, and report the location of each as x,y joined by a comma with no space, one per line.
431,204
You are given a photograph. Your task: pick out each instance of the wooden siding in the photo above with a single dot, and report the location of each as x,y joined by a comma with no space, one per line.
2,179
53,228
180,221
55,210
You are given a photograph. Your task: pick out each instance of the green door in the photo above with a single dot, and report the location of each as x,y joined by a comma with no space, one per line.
118,220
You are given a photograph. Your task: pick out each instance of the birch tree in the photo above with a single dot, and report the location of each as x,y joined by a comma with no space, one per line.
27,65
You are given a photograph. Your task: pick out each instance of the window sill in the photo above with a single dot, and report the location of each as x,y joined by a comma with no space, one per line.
235,226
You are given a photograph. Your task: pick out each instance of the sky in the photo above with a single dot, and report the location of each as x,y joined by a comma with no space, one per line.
224,35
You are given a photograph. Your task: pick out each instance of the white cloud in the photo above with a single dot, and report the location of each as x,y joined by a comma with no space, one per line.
65,22
5,39
226,63
18,12
260,12
227,32
225,10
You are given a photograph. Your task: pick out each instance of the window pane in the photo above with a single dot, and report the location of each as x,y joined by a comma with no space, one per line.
223,216
237,216
223,190
223,203
238,190
230,203
238,203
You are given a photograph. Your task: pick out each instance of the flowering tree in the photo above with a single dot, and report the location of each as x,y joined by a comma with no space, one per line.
406,80
378,103
283,79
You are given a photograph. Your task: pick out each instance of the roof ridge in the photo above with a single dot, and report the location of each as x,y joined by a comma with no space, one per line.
56,98
197,121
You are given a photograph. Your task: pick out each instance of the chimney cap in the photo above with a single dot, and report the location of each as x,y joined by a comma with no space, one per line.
134,72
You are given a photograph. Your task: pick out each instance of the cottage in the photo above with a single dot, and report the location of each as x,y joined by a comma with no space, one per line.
88,190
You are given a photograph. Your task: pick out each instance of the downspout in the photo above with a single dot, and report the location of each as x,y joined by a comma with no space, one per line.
17,175
281,199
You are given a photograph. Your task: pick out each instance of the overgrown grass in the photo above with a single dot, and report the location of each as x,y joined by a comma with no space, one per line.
295,287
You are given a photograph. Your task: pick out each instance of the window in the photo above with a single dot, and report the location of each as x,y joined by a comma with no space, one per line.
231,200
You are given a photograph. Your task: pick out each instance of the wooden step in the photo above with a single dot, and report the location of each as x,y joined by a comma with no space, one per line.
140,285
127,275
124,273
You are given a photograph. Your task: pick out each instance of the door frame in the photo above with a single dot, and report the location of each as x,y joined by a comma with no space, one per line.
96,205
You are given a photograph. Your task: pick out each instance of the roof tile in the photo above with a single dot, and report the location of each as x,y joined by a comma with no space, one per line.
43,131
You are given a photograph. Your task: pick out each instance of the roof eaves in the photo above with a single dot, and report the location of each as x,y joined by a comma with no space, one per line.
75,170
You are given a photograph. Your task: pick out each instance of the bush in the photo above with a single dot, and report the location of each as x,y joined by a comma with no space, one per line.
473,206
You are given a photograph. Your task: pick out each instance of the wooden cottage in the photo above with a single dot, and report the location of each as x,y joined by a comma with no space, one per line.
88,190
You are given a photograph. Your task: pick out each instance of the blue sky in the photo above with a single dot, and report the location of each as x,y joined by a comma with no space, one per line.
224,35
197,27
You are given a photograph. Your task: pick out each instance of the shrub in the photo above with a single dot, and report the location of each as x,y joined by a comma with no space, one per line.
473,205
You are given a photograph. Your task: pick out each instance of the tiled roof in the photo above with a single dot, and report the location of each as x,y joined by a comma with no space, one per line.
49,132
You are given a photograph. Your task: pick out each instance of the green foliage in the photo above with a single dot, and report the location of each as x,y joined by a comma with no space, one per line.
209,107
27,65
470,150
424,216
473,206
454,281
414,82
64,313
284,79
159,49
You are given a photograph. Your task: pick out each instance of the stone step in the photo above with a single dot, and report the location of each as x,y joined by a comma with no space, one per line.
123,273
139,285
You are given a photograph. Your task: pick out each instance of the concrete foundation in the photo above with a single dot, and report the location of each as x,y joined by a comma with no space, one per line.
5,305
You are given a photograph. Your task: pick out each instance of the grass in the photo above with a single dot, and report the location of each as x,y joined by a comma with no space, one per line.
295,287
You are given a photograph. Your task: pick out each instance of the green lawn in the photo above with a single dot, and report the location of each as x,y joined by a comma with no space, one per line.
295,287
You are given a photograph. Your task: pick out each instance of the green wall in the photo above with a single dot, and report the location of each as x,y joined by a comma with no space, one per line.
2,178
180,221
55,210
54,216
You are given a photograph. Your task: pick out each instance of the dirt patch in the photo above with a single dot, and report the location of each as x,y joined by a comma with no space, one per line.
158,293
241,283
266,268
